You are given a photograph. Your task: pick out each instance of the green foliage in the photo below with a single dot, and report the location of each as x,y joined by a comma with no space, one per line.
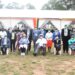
59,5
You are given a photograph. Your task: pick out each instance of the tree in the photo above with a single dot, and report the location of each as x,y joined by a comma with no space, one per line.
14,5
46,7
68,4
53,4
59,5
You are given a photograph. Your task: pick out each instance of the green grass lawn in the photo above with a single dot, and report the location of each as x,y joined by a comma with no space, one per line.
14,64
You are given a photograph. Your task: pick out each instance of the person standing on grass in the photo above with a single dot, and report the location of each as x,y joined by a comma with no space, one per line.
65,34
35,35
29,36
42,31
49,37
56,40
5,44
57,45
13,40
4,33
0,37
18,37
71,43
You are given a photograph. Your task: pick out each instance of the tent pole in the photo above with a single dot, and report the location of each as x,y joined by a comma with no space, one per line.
10,23
60,24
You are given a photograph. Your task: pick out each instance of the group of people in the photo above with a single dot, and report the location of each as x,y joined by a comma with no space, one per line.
21,40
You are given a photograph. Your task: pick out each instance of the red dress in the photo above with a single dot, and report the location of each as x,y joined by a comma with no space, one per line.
49,43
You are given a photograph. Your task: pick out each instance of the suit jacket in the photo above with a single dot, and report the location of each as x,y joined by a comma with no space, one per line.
36,34
54,35
66,38
29,36
57,44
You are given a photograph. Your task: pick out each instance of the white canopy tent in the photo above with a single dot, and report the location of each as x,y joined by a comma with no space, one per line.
37,13
8,16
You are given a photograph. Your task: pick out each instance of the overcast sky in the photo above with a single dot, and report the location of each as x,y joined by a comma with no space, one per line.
37,3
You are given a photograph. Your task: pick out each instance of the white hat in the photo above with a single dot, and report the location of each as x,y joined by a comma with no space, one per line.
41,34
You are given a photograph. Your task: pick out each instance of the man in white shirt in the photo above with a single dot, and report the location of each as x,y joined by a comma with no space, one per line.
4,33
41,44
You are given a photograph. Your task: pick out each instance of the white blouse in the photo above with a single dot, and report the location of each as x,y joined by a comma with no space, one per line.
65,32
49,36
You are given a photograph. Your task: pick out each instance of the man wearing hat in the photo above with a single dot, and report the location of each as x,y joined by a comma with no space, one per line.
65,34
41,44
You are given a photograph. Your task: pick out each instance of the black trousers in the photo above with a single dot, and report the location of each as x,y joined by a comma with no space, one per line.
29,46
34,42
4,50
0,42
65,46
22,50
57,50
12,45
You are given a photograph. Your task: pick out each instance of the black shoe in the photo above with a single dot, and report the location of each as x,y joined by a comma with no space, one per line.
34,54
57,53
44,54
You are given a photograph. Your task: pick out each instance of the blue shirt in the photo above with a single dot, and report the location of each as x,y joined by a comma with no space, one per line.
56,35
36,34
24,40
5,42
42,31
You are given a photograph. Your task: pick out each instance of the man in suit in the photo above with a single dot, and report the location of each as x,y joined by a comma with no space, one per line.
13,40
29,36
65,34
35,35
57,41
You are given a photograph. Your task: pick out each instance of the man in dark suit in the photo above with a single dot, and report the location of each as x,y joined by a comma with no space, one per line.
13,40
65,34
29,36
